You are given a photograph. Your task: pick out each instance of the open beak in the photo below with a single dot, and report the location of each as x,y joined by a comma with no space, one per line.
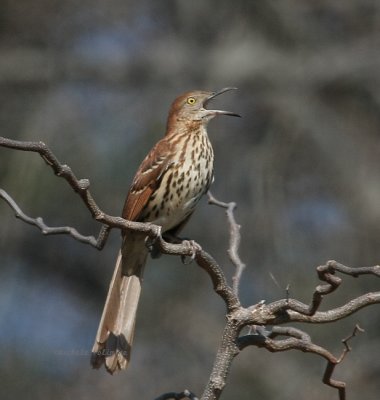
220,112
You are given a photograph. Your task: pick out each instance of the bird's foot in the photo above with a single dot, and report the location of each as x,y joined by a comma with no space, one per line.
194,247
153,246
154,250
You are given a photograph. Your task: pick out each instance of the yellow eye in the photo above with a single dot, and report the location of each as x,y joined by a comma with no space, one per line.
191,100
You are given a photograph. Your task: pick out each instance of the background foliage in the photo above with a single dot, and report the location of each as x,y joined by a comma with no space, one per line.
94,80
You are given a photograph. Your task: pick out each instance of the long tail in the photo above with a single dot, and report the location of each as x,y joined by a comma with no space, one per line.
113,341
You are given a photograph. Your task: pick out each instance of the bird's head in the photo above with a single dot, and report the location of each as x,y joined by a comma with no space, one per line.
192,106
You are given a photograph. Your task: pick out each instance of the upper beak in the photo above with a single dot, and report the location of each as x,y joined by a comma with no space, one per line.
215,112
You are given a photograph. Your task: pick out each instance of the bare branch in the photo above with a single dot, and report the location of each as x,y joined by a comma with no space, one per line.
341,386
80,186
299,340
327,272
333,266
348,338
291,310
233,250
294,311
206,262
98,242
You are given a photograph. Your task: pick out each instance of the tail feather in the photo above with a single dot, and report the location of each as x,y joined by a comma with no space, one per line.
114,338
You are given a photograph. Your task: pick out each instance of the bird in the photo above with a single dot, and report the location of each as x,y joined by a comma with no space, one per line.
167,186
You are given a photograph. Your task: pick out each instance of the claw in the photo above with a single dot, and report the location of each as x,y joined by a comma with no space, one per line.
194,247
151,244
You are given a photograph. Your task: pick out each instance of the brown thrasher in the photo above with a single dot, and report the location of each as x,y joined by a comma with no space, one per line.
166,188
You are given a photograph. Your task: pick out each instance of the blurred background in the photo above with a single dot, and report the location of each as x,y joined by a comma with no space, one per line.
94,80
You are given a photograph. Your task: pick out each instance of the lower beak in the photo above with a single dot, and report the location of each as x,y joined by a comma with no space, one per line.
220,112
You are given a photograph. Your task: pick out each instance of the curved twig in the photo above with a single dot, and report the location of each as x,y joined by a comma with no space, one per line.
98,242
299,340
233,250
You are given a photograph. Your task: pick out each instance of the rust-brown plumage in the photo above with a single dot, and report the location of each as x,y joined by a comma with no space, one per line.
166,188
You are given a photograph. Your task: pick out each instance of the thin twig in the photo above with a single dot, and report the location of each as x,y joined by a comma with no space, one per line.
98,242
233,250
291,310
80,186
327,273
299,340
341,386
347,348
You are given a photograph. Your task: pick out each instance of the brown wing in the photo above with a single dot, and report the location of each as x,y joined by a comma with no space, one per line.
147,179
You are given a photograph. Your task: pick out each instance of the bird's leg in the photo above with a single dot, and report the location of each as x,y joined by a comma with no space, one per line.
170,237
152,244
153,247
